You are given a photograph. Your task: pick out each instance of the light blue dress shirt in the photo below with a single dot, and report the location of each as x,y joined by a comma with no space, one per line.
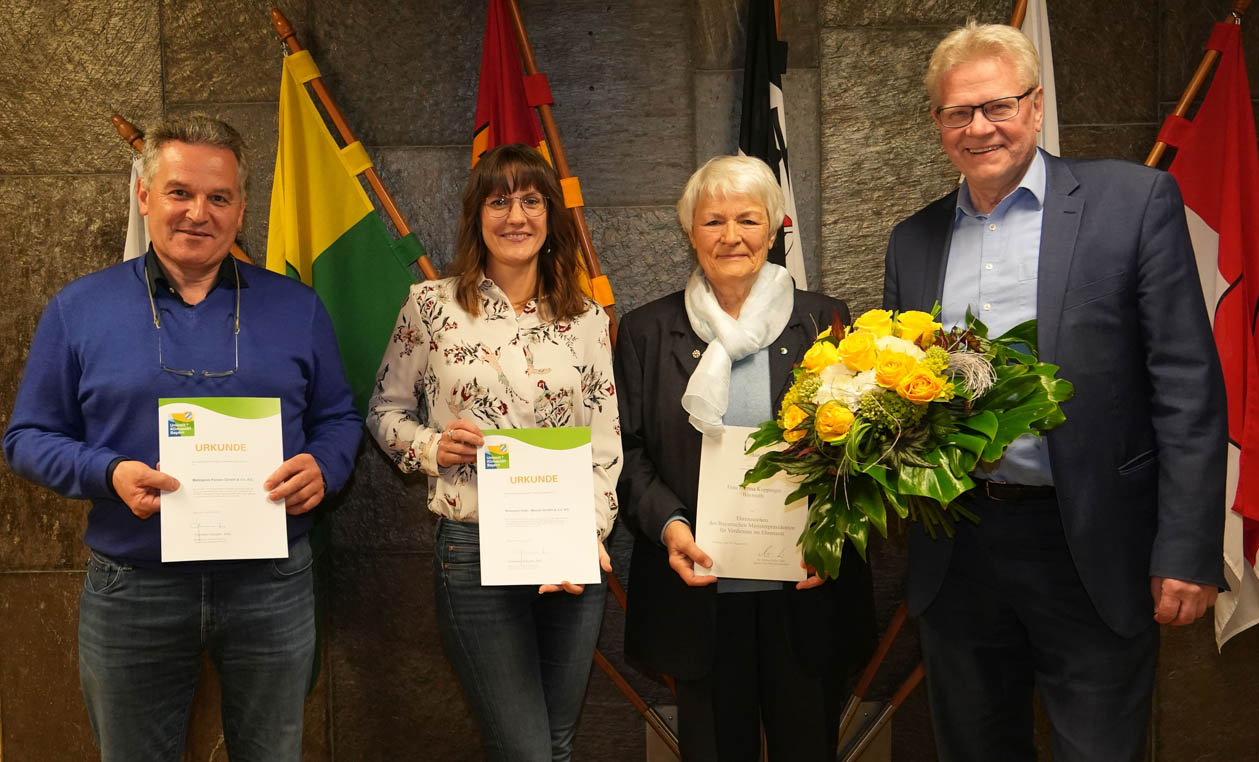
992,269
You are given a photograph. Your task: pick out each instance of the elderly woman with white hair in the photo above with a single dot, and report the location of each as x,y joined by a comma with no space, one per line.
744,653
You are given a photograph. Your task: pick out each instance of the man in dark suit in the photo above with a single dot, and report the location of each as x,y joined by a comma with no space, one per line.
1111,523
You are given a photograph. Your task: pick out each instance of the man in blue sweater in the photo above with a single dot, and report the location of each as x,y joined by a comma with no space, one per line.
185,320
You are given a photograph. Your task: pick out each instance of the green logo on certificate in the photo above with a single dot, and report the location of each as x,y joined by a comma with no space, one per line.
180,425
496,456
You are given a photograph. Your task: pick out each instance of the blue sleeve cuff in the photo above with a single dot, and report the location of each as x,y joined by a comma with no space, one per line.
675,516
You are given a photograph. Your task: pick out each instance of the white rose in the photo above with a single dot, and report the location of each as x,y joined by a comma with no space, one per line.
900,345
844,387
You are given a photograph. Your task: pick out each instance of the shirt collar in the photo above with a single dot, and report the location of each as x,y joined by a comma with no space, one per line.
155,275
1034,181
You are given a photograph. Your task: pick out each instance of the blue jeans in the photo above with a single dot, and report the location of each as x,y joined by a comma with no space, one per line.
141,635
523,659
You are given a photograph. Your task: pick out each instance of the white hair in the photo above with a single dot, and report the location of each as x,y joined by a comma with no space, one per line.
723,176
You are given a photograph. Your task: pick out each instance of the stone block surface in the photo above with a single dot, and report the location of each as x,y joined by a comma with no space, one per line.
718,109
881,159
70,68
392,688
909,13
1124,141
403,73
224,52
427,184
382,509
798,25
1103,77
42,718
801,101
642,250
1204,705
1184,26
621,77
719,38
53,229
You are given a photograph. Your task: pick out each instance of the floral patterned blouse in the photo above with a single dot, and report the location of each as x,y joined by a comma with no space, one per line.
499,370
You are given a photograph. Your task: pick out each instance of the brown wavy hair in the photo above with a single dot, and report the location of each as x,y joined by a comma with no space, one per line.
500,172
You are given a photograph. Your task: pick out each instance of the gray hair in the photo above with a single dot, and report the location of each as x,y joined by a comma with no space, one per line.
723,176
194,129
974,42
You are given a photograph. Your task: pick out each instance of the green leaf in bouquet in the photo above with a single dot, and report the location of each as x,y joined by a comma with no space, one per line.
814,489
1016,422
822,542
766,466
975,325
885,477
938,483
1024,333
864,496
766,434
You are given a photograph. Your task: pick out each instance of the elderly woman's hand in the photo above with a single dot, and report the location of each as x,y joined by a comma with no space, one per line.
684,554
605,563
811,581
458,443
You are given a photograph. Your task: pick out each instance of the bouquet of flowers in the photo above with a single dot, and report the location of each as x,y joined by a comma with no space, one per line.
894,413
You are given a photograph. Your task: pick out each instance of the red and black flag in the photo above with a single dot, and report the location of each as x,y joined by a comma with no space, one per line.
503,107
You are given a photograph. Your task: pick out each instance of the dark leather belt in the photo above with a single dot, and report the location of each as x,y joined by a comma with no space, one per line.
1003,492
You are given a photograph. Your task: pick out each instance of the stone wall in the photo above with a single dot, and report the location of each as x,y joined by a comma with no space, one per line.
645,90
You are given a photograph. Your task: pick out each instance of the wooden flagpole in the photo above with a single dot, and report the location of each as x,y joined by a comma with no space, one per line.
598,280
287,36
128,132
1209,59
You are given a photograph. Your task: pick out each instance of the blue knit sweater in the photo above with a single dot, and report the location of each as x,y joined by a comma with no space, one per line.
89,393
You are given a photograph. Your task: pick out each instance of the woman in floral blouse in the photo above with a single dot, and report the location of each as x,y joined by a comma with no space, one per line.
509,341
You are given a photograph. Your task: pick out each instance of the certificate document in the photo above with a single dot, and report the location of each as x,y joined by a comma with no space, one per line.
221,449
535,499
747,531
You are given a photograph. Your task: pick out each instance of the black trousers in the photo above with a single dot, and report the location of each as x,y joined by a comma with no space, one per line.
1011,615
756,678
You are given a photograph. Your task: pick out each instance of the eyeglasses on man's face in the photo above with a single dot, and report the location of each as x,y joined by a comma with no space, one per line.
996,110
532,204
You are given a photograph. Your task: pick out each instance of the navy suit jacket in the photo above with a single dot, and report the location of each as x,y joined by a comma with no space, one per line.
1139,463
670,627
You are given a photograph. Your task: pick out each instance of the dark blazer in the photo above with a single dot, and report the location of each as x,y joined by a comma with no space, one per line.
670,627
1139,463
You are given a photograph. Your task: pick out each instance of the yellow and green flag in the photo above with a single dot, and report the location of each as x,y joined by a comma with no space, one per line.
325,231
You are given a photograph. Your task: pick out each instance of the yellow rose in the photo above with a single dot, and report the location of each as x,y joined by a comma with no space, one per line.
833,421
820,356
891,367
917,327
858,351
877,322
920,386
824,334
790,420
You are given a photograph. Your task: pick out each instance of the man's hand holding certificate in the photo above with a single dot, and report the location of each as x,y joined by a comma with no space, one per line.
747,531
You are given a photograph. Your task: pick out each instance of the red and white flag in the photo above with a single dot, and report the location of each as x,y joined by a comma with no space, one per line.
1217,167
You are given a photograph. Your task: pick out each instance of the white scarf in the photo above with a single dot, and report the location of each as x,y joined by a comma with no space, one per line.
762,318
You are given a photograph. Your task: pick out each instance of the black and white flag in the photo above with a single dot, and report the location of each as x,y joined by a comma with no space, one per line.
763,126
